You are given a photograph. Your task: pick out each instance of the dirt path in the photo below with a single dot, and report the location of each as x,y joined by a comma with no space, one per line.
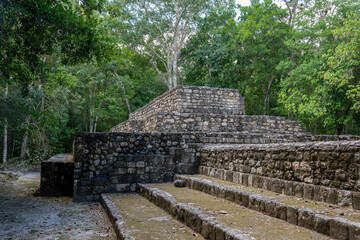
25,216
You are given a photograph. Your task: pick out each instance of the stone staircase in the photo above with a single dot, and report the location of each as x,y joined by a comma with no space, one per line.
166,212
209,208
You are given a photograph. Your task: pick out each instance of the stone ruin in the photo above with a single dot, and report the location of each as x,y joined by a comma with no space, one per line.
202,130
191,130
57,178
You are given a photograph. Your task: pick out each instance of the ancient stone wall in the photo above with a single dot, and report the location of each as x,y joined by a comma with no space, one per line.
167,102
199,122
203,109
129,126
331,164
111,162
191,99
210,100
166,137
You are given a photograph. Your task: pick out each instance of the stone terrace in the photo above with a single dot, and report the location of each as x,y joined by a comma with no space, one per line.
202,130
174,134
203,109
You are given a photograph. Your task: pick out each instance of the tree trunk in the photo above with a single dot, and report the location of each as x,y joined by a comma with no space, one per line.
267,97
124,92
174,76
13,147
291,6
92,109
95,123
5,142
24,142
5,128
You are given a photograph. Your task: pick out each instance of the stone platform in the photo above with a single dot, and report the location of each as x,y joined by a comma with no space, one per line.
203,109
191,130
168,135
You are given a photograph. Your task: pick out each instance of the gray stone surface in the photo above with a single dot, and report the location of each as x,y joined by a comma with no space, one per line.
317,163
57,175
336,196
191,216
337,228
203,109
179,183
165,137
115,217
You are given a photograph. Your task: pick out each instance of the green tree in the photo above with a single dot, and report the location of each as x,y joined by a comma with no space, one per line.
32,30
304,93
344,62
260,47
207,58
36,39
160,30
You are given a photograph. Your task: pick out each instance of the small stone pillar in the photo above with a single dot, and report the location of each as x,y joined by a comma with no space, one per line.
57,176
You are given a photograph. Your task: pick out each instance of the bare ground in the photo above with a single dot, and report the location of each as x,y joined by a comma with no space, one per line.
24,215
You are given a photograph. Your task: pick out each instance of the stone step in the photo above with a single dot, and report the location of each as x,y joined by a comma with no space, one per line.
217,218
334,221
319,193
134,217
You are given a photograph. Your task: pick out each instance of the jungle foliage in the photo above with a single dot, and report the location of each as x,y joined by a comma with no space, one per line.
68,66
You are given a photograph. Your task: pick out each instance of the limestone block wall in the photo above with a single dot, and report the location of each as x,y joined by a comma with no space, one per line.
57,175
192,99
167,102
210,100
112,162
129,126
198,122
331,164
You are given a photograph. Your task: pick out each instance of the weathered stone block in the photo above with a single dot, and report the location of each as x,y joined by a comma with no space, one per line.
270,208
339,228
280,211
292,215
236,176
277,186
244,179
356,200
354,231
238,197
228,175
220,232
308,191
344,198
298,189
322,224
254,202
179,183
229,194
245,199
57,176
207,230
306,218
256,181
288,188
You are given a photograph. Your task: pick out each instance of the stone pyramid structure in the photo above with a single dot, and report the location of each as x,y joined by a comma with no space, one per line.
243,177
203,109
